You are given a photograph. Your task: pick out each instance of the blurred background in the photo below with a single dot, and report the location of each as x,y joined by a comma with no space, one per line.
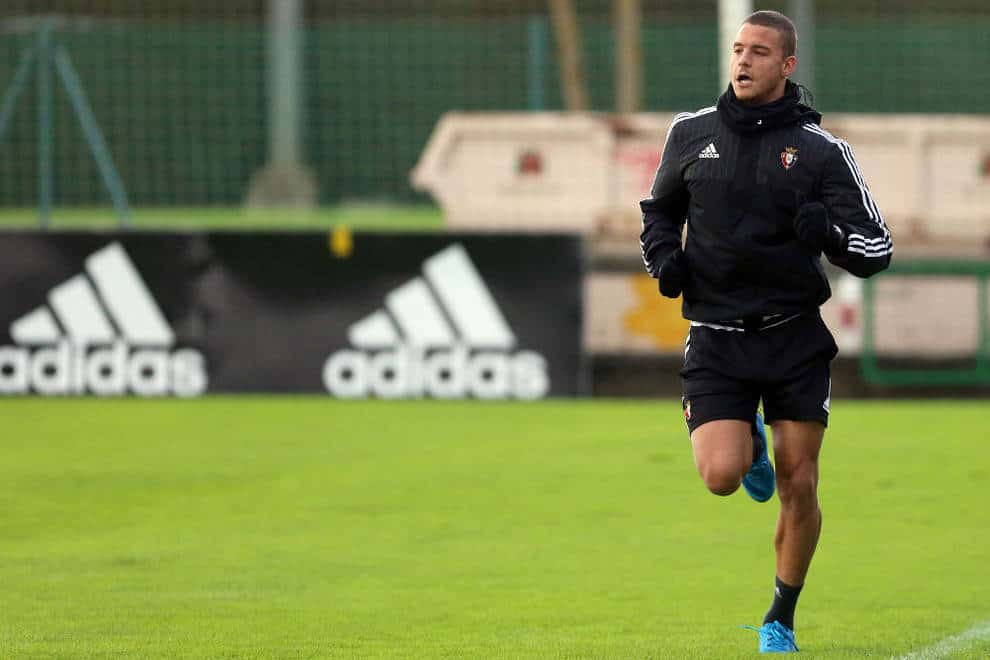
516,117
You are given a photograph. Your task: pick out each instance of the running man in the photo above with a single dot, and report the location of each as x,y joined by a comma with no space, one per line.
765,191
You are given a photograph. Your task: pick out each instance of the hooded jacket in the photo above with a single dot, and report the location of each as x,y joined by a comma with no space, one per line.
738,175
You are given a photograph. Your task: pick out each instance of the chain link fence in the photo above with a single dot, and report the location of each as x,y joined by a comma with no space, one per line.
179,88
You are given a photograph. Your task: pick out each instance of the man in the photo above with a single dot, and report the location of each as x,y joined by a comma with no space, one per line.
765,191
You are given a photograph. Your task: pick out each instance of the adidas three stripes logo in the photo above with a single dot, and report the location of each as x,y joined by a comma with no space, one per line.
101,333
438,335
709,151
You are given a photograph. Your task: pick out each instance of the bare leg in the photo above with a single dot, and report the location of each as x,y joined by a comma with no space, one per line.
723,453
796,447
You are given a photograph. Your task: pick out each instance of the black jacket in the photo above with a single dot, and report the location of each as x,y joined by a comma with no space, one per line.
738,175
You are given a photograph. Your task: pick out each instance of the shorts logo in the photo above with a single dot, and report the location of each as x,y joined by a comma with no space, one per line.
788,157
687,410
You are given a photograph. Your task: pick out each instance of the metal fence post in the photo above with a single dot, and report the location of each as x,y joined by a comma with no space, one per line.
17,85
46,134
91,131
537,37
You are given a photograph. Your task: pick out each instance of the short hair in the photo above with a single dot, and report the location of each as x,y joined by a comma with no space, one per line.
777,21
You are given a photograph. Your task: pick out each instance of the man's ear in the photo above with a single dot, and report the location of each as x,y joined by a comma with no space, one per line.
790,63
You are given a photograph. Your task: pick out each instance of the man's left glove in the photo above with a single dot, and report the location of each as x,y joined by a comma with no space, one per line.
817,232
673,274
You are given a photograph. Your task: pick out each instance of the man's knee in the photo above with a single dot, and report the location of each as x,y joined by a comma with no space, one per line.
723,453
721,479
799,488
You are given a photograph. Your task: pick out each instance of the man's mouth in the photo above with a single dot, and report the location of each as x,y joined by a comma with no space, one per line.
744,80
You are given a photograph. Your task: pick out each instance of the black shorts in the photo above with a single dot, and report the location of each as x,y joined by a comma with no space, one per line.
728,371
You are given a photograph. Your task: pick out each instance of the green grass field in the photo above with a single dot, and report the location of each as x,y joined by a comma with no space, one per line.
355,216
306,527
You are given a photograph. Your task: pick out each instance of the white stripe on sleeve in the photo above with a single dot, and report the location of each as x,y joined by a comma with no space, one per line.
859,244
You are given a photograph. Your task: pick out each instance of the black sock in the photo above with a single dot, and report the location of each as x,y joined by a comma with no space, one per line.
784,601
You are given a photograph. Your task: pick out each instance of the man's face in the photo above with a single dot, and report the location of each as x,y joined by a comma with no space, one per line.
758,66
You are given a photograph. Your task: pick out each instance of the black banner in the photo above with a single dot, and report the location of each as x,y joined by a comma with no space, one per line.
365,315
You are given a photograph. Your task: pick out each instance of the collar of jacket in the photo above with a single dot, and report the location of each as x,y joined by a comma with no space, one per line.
785,111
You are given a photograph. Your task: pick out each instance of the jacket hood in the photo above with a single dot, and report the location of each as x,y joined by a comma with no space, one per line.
785,111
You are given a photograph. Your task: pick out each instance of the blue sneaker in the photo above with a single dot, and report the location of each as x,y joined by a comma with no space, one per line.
775,637
760,481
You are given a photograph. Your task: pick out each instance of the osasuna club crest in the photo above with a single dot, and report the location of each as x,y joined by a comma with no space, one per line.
788,157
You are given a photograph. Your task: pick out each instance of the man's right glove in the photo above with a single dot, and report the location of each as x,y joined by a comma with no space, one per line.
673,274
814,228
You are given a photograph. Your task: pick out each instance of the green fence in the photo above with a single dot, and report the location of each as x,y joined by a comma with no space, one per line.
183,108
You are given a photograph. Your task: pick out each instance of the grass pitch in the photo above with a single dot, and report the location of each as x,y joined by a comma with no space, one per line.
257,527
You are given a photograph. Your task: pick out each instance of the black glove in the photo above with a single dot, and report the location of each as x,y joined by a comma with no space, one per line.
817,232
673,274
